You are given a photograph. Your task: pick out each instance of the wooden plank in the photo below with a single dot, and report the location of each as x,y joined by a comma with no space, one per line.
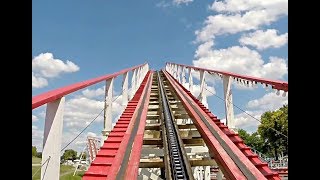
186,126
202,162
181,116
151,163
153,127
152,116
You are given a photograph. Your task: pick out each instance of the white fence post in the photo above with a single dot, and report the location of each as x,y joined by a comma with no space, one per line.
190,80
227,80
202,96
125,97
108,108
52,140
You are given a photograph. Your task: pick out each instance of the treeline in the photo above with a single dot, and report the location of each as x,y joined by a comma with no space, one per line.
68,154
35,153
271,137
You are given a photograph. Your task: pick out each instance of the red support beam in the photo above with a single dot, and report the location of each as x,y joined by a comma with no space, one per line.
55,94
280,85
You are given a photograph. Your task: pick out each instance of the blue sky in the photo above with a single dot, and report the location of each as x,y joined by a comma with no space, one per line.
102,37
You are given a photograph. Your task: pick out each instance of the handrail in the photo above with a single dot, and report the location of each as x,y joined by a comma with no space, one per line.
280,85
55,94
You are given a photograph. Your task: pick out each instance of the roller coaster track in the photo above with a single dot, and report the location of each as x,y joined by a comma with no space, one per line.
156,111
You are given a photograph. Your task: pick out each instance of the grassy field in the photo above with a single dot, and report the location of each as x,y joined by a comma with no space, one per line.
66,172
71,177
36,160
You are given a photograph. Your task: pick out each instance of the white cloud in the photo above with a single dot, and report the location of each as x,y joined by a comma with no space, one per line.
242,60
91,134
77,144
45,66
279,6
196,90
163,4
243,86
269,102
246,122
264,39
178,2
94,93
34,118
38,82
82,109
275,69
204,50
37,138
240,15
231,24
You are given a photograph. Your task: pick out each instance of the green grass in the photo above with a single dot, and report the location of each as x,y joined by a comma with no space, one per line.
36,160
63,169
70,176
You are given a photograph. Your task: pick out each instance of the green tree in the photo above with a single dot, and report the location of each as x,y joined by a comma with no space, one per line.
69,154
274,130
39,155
34,151
253,140
84,155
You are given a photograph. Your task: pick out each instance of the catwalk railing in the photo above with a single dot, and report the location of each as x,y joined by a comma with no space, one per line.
178,71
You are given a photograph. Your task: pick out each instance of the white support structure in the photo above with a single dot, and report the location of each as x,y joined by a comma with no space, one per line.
133,82
174,75
138,78
190,80
171,69
52,140
207,173
79,163
145,70
202,96
125,86
108,108
178,74
142,72
227,80
183,78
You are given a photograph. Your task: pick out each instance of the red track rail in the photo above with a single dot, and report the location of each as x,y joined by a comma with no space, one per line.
134,160
238,142
50,96
280,85
109,158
